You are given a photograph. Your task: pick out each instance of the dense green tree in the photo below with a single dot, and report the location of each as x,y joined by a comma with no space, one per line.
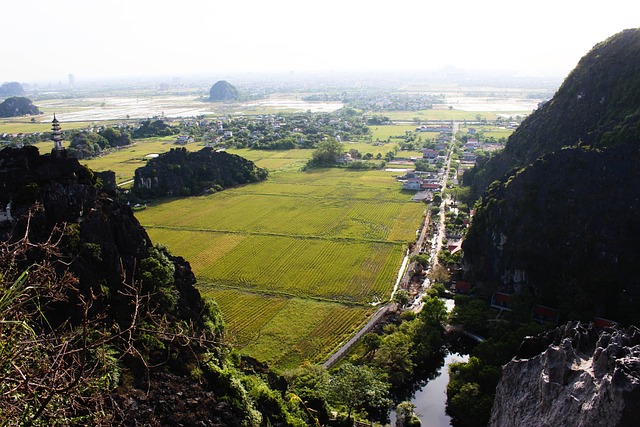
422,259
406,415
84,145
327,153
401,297
394,359
436,290
470,392
115,137
469,312
372,342
358,388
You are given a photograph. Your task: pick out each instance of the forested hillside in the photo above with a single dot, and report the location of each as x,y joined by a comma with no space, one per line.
598,105
567,225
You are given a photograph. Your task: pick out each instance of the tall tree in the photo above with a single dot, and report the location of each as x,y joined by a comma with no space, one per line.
327,152
358,388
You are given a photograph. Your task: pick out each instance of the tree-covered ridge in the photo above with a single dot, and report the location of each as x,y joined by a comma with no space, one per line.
86,144
597,105
565,226
185,173
17,106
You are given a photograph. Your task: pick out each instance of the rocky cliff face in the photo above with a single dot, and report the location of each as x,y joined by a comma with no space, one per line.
561,217
567,228
104,243
574,375
598,104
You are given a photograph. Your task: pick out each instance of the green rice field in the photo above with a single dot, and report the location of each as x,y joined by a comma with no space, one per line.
296,262
286,331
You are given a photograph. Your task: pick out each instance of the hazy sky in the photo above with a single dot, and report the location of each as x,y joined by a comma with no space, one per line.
45,40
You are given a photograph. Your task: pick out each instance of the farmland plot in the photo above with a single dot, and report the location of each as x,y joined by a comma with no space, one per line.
285,332
347,271
296,261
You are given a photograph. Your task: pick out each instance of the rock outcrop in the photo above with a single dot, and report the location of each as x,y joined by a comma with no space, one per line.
223,91
574,375
17,106
180,172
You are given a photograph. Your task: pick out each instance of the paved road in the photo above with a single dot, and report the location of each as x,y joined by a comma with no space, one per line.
366,328
403,284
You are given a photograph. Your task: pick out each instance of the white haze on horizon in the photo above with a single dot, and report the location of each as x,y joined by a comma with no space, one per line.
47,40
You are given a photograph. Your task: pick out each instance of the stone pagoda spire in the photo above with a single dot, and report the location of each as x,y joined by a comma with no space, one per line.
56,136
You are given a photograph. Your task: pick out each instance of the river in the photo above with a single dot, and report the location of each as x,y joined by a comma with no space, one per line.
431,399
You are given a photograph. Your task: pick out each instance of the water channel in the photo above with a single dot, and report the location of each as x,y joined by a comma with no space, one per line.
431,399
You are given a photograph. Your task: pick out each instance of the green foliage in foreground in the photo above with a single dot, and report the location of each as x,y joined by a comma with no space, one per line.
356,387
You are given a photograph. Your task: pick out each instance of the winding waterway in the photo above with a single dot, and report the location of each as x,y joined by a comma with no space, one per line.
431,399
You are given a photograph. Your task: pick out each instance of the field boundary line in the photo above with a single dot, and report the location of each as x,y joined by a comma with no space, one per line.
273,293
292,236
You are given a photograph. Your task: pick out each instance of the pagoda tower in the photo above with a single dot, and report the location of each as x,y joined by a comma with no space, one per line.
56,136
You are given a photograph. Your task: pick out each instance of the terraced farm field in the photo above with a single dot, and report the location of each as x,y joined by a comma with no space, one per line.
297,261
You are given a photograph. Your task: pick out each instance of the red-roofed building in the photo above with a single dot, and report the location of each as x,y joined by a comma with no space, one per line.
500,300
430,186
541,313
461,287
603,323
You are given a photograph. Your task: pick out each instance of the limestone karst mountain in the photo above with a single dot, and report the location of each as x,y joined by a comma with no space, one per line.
564,223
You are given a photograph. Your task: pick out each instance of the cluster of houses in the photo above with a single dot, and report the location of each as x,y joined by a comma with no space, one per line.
470,146
540,313
425,181
444,133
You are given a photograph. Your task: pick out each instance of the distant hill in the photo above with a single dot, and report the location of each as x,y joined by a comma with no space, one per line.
11,89
18,106
562,214
183,173
223,91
